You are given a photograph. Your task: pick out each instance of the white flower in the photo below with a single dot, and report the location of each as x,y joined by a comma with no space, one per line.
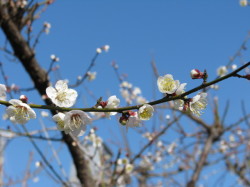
168,116
38,164
136,91
198,103
113,102
167,84
47,27
145,112
98,50
97,142
234,67
122,161
3,92
59,119
44,114
214,86
106,48
223,146
243,3
61,95
141,100
20,112
126,95
54,58
171,148
126,84
221,71
133,120
91,75
75,122
178,104
22,3
129,168
231,138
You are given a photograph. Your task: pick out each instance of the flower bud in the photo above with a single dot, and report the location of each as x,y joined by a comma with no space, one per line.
123,120
23,98
196,74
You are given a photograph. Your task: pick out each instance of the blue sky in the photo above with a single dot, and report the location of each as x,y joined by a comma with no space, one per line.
180,35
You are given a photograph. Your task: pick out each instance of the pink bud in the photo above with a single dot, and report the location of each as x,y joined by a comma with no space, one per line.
23,98
196,74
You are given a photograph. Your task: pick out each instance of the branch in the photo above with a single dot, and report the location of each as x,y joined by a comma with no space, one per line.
27,57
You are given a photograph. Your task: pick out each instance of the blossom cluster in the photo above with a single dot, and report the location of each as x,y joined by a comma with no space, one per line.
171,87
74,122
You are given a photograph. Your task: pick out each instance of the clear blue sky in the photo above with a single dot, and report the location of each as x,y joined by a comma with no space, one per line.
180,35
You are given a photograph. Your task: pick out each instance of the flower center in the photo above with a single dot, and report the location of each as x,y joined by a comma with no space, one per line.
22,112
199,105
145,114
76,121
168,84
61,96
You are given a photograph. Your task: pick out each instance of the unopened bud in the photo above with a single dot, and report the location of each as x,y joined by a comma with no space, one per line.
123,120
196,74
106,48
23,98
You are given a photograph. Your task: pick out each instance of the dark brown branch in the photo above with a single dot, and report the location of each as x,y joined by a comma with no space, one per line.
38,75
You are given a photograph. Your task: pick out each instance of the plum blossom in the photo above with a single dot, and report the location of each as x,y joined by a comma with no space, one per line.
91,75
179,104
133,120
98,50
171,148
234,67
112,102
96,140
222,71
198,103
54,58
44,113
105,48
3,92
19,112
61,95
243,3
22,3
167,84
145,112
59,119
125,162
75,122
47,27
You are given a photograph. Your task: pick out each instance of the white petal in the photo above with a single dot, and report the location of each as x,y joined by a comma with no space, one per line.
10,110
61,85
181,88
3,92
32,113
51,92
15,102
